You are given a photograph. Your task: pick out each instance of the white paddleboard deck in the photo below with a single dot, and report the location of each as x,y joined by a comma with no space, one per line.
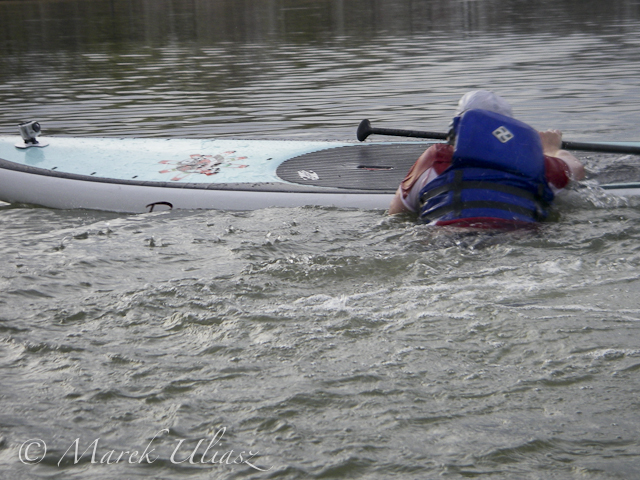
142,175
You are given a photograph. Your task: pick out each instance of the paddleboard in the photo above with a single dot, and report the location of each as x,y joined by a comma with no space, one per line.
142,175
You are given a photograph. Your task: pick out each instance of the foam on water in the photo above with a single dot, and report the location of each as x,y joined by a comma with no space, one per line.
345,318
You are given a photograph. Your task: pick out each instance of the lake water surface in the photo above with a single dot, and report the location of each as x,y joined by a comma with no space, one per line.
329,343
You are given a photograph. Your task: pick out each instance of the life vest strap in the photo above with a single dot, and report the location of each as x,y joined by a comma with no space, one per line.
457,208
481,185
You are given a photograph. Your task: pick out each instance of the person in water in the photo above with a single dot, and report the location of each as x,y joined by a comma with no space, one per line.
495,171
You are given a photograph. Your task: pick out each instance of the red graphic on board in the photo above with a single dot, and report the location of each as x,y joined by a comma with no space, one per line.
202,164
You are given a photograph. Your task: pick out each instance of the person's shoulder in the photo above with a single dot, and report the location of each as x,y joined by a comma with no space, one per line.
441,157
442,148
437,151
438,156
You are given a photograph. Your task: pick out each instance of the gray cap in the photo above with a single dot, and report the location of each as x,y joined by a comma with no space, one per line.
484,100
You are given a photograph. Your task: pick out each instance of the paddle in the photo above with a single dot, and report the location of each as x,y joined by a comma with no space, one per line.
365,129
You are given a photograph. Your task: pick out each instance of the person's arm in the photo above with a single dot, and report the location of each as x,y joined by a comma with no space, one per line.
396,204
552,147
438,157
423,162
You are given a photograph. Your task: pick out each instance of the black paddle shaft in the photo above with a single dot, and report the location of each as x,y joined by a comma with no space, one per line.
365,129
601,147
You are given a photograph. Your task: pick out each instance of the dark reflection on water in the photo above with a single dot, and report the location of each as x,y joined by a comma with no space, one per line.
314,69
54,25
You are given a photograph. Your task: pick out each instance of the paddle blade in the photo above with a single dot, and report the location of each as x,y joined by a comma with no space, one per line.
364,130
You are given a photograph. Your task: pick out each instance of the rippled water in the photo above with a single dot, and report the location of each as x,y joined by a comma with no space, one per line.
579,76
336,343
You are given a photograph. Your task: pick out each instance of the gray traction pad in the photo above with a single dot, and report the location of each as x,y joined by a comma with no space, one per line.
378,167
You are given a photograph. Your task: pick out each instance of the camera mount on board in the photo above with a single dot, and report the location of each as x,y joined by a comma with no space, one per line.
29,131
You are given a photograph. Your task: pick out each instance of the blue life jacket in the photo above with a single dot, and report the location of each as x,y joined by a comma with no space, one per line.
497,172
